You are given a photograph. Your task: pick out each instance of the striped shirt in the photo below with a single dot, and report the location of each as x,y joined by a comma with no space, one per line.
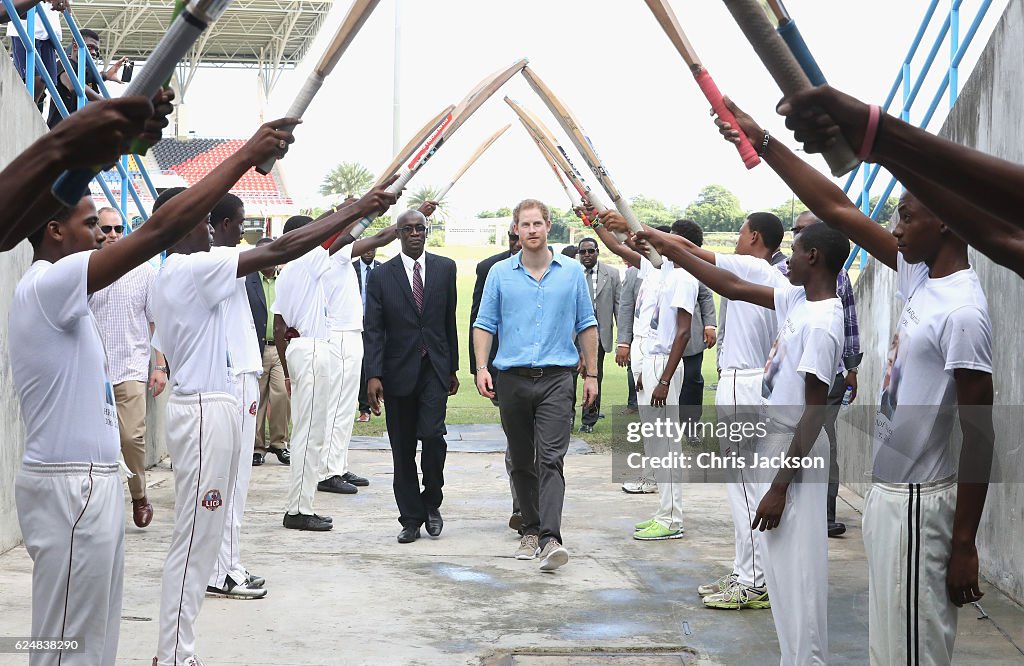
851,342
123,313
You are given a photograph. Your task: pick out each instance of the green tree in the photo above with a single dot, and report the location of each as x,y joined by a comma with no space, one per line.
788,211
347,179
716,208
505,211
888,208
428,193
653,212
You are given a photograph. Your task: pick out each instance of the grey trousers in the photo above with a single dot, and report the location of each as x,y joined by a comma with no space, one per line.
833,403
536,415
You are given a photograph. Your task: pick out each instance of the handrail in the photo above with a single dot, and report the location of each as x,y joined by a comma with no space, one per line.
950,81
34,66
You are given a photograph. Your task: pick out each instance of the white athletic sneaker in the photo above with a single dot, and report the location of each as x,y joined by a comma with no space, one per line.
642,486
553,555
720,585
234,591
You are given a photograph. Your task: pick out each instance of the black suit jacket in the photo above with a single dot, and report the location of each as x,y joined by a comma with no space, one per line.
258,305
482,269
393,331
357,265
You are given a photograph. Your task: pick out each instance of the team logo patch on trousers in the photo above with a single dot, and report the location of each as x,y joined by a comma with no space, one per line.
212,500
252,408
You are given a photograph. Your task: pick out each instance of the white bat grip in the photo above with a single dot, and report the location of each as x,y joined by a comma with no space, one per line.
634,226
442,193
596,202
396,189
299,105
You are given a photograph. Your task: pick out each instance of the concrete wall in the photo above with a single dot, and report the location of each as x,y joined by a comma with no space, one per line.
20,125
986,117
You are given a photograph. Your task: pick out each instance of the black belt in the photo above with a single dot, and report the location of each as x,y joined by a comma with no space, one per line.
536,373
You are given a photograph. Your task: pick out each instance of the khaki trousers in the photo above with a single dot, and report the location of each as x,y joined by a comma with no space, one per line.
273,399
130,398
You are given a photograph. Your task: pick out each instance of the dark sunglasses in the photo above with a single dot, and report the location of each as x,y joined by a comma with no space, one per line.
413,227
119,228
513,237
590,251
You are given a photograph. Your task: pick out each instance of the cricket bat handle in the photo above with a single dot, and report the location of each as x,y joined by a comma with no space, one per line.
396,189
714,95
634,225
71,186
299,105
795,41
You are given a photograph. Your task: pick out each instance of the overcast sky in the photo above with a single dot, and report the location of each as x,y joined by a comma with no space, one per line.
607,59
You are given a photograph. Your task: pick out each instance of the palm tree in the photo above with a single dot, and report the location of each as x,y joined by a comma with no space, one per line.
428,193
347,179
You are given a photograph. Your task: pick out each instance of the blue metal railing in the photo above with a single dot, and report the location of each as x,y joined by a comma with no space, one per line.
950,82
34,66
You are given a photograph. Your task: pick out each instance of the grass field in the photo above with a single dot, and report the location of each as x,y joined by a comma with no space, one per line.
467,406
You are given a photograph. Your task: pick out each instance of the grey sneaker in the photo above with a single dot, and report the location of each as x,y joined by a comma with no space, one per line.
553,556
738,597
528,547
720,585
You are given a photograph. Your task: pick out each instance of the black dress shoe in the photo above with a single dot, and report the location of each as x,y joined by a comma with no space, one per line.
257,459
434,522
515,522
326,519
408,534
284,456
836,529
355,479
302,521
336,484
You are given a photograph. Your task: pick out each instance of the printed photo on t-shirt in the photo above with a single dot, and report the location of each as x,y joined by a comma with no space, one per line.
891,381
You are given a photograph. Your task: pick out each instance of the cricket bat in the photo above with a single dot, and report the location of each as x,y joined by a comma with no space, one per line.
670,24
354,20
473,158
415,142
795,41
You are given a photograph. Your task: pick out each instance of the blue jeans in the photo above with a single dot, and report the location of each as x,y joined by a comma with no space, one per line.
46,53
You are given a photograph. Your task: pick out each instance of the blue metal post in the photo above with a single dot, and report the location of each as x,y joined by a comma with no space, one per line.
125,183
30,48
904,111
954,46
83,56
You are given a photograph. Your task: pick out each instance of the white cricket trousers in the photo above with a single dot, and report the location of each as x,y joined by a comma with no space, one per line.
796,557
738,399
72,520
246,389
670,481
204,441
908,535
347,358
310,367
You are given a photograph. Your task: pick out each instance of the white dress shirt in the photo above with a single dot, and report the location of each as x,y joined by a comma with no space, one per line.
408,261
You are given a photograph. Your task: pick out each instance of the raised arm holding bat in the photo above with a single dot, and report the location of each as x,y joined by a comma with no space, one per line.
980,195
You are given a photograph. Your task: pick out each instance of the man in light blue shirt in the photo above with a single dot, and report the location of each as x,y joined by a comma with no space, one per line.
537,302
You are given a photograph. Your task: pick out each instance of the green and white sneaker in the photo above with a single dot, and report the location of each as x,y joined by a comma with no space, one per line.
657,532
738,597
644,524
720,585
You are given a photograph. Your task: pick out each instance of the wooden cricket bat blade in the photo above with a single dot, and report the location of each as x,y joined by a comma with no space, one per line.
354,20
407,151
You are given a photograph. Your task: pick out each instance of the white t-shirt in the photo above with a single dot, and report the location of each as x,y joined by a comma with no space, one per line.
52,16
189,296
301,294
243,342
59,366
344,302
810,342
751,329
647,297
678,292
944,326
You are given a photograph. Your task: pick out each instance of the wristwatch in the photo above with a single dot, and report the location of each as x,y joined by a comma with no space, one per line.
481,367
664,383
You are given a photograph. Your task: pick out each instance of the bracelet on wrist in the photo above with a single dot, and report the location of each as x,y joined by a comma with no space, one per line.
161,368
764,144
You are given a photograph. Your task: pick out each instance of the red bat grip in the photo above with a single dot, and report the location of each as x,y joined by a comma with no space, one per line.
714,95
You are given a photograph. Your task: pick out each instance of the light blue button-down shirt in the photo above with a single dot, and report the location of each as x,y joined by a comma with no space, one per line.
536,322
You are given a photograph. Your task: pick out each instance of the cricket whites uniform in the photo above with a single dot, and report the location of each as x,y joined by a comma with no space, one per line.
675,289
809,344
744,349
245,365
302,303
909,510
203,433
69,492
345,320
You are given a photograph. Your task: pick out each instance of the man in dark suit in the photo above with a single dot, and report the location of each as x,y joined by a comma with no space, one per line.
412,355
259,287
367,263
482,269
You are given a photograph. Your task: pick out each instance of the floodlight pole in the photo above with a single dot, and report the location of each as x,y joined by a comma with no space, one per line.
396,142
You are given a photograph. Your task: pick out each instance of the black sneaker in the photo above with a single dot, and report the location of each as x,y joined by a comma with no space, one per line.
586,428
301,521
336,484
355,479
257,459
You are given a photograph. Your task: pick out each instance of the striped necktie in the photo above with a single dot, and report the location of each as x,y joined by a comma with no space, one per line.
417,296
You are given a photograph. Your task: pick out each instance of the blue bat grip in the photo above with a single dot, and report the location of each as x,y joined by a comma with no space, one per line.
795,41
71,186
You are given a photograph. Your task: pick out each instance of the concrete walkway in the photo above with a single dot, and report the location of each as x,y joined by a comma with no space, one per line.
356,596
